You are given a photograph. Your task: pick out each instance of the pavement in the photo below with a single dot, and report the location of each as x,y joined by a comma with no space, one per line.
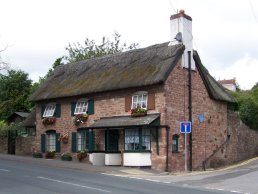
116,170
83,166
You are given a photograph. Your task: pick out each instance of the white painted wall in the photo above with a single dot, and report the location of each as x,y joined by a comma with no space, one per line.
97,159
184,26
137,159
113,159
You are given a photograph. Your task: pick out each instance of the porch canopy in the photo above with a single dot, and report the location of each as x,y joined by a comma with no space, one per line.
126,122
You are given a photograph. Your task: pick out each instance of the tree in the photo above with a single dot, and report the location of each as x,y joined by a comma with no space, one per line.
255,86
89,49
15,87
247,106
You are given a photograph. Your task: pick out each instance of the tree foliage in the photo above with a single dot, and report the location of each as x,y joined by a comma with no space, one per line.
247,105
15,87
90,49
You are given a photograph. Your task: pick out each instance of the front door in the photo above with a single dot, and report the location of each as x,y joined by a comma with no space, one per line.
111,140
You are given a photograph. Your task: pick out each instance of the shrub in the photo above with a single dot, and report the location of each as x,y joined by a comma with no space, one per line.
37,155
50,154
66,157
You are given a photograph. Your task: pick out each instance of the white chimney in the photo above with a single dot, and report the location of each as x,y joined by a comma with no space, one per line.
181,33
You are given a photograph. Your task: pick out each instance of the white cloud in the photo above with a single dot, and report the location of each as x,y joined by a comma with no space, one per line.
244,70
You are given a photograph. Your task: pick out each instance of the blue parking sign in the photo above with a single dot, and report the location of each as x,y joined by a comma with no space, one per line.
185,127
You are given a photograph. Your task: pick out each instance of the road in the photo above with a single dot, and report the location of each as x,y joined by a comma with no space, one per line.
240,179
25,178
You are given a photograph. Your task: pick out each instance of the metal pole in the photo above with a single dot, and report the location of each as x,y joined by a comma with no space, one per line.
190,108
185,152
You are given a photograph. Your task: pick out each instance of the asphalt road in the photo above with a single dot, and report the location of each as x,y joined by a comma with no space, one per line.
26,178
240,179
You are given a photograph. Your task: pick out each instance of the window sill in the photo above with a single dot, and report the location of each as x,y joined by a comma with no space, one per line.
137,151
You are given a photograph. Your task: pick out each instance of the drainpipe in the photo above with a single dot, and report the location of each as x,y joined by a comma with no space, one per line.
190,107
167,137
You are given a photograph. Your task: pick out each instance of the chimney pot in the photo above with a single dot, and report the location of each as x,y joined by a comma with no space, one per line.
182,12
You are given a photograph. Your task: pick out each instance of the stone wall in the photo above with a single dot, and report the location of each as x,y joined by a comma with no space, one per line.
25,145
3,145
242,144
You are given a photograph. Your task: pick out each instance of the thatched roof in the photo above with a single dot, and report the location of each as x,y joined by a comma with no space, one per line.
30,121
216,91
136,68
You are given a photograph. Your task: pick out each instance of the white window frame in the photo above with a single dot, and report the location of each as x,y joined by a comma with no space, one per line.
138,100
51,142
49,110
81,140
81,107
137,140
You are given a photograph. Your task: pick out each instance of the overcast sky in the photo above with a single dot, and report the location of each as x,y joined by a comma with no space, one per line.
225,31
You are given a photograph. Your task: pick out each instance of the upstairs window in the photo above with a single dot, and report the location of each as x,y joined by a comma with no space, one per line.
139,100
81,107
49,110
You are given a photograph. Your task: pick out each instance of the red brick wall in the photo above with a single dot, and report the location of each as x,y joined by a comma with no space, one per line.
105,104
207,136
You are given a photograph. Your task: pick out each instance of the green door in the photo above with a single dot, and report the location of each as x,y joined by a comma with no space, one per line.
111,140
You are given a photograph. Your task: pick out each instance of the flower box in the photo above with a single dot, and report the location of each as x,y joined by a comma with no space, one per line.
48,120
80,118
138,112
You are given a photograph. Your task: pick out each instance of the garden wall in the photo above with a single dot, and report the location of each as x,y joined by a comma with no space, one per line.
242,144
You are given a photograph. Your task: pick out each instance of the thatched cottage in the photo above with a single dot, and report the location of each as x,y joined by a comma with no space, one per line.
125,109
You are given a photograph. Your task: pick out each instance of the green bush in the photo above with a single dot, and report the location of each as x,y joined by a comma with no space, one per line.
37,155
247,106
66,157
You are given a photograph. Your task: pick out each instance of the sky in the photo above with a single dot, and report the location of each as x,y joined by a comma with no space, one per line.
225,33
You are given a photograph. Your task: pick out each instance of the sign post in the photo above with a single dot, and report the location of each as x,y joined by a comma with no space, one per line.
185,127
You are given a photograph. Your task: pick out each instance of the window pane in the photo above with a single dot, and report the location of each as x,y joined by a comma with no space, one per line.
49,110
139,101
81,141
131,139
51,142
81,107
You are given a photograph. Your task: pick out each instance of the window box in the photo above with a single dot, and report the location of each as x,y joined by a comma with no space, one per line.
48,120
138,112
80,118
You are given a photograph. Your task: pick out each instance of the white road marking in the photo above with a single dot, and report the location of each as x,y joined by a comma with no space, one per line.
153,180
138,178
236,192
74,184
5,170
